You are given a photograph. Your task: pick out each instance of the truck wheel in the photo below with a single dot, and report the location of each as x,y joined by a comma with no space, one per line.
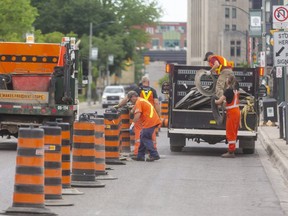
247,145
218,114
177,142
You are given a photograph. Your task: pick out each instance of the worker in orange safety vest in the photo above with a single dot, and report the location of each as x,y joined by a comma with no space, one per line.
144,90
231,96
221,67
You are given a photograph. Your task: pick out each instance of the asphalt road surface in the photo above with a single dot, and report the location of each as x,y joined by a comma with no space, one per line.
196,182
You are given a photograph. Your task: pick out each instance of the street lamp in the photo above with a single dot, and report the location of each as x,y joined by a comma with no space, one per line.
90,59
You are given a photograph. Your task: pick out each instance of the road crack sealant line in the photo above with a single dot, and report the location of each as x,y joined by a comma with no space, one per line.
276,156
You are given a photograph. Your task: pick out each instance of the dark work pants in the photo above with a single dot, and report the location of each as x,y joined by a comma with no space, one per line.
147,143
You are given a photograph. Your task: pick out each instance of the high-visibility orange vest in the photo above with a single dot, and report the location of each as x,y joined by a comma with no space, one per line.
222,63
147,94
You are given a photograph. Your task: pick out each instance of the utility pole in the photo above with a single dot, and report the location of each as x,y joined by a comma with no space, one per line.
90,66
264,34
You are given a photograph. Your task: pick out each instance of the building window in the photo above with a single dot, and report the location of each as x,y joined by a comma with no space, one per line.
227,27
155,42
234,28
234,13
235,48
150,30
227,13
238,48
171,43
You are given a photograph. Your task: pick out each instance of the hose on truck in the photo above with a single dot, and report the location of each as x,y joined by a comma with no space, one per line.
248,108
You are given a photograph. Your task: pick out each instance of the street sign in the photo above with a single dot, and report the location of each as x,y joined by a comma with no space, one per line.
280,51
278,72
255,23
280,17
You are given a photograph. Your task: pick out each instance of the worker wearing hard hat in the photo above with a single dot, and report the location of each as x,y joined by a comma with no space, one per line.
221,67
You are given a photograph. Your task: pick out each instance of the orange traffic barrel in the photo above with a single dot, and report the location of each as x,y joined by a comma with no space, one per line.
83,162
125,134
100,165
164,111
65,158
28,197
112,134
52,167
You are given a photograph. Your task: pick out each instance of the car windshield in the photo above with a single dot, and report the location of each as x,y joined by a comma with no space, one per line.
114,90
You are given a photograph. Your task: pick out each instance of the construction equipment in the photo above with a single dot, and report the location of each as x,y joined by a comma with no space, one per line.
193,116
38,84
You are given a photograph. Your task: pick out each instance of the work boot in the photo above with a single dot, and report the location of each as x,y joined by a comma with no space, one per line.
137,158
151,159
228,155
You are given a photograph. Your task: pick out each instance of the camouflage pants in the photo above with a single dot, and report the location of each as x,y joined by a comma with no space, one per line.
221,82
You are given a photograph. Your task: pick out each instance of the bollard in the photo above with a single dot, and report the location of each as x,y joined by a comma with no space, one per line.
112,142
52,167
100,165
28,197
83,163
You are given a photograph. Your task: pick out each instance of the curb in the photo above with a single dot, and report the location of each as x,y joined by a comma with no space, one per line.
276,155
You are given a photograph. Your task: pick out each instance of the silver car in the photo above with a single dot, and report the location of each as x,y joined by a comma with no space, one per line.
112,95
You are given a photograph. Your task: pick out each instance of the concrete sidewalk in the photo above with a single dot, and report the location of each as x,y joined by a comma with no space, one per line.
276,148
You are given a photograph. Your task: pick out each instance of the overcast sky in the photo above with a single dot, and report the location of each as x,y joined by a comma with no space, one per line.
174,10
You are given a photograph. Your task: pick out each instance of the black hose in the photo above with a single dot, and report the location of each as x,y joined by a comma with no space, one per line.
218,113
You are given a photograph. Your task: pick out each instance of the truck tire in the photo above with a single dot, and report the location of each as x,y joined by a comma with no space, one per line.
218,116
247,145
177,142
199,87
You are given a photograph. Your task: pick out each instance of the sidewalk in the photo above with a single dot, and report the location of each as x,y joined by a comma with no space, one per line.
276,148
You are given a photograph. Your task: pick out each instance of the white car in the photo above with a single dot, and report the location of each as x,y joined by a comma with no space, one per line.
112,95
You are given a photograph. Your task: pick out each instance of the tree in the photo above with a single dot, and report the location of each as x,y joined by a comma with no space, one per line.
16,19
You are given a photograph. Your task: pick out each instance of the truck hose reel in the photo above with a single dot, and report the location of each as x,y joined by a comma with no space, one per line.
218,113
199,87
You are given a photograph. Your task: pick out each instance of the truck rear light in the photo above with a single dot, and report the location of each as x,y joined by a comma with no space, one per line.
261,71
168,68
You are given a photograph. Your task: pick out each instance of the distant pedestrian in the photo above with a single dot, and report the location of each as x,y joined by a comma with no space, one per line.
221,67
146,115
231,96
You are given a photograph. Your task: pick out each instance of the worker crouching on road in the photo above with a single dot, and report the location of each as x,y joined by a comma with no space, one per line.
148,117
222,67
231,96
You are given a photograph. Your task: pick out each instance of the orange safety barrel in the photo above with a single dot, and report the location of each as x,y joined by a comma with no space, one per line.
83,163
66,152
164,112
52,167
65,158
100,165
28,197
125,134
112,134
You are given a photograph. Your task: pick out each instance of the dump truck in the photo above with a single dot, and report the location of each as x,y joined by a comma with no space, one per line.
192,115
38,84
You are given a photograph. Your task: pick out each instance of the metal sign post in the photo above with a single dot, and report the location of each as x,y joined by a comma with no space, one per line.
286,101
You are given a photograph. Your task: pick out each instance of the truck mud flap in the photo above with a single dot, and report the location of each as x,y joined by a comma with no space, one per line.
218,116
205,92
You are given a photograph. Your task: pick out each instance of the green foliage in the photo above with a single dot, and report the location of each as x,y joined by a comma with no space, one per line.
165,78
16,19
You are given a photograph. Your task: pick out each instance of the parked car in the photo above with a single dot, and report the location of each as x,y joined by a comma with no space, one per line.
112,95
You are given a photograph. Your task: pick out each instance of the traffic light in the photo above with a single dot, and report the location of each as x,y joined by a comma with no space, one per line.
146,60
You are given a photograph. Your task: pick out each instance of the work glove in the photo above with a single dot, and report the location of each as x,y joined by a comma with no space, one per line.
131,127
116,106
208,73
